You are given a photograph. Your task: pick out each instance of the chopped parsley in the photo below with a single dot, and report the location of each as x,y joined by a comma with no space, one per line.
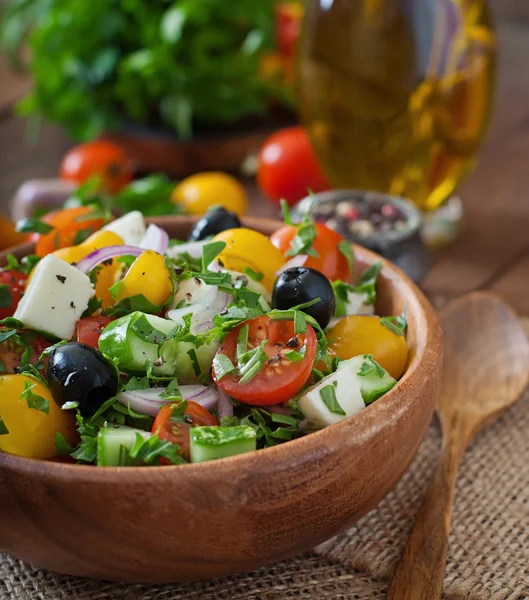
3,428
172,392
369,366
346,249
194,360
396,324
149,451
255,275
148,333
62,447
33,225
222,366
328,397
34,400
253,363
26,264
6,298
210,252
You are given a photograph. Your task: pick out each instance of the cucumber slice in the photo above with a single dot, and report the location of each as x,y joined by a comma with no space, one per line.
372,385
111,439
184,367
210,443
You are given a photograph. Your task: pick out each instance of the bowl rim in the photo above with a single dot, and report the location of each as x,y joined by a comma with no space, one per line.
428,354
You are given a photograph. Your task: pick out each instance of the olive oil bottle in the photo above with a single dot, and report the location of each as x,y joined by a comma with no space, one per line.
396,94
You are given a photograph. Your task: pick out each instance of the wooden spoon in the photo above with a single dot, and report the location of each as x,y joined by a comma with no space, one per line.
486,369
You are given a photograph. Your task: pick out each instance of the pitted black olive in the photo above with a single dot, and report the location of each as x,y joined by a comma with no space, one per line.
217,219
79,373
298,285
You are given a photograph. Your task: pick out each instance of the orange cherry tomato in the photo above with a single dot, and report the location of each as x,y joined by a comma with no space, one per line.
89,329
288,167
280,378
178,432
68,223
331,262
8,234
98,158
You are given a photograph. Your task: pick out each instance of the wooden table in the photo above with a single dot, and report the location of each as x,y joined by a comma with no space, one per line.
493,249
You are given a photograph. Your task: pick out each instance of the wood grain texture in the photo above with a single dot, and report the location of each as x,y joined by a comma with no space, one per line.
486,369
211,519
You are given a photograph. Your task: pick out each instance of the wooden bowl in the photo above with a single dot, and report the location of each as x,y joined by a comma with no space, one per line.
199,521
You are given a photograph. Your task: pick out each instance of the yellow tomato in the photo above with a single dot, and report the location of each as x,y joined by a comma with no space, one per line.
148,275
32,431
356,335
198,193
249,248
8,235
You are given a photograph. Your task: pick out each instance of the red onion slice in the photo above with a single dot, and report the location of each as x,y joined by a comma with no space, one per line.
224,406
149,402
96,257
155,238
296,261
194,249
40,193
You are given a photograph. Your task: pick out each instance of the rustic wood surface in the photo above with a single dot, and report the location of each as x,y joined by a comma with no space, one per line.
493,249
498,356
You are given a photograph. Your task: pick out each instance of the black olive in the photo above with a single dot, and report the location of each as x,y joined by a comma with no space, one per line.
80,373
298,285
217,219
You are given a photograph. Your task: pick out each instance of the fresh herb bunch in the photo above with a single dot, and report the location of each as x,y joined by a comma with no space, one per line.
176,65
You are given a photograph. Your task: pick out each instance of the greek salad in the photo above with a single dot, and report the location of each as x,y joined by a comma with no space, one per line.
131,348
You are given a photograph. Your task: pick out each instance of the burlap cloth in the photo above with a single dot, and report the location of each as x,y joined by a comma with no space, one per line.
488,555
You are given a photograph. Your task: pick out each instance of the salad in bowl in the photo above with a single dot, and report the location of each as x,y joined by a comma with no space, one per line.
131,348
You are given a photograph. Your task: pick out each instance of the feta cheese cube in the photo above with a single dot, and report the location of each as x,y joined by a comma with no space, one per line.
55,298
129,227
348,396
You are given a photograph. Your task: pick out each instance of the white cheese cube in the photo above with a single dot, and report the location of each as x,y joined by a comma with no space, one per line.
129,227
55,298
348,396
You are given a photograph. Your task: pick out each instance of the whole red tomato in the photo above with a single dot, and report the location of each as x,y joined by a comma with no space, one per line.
99,158
288,167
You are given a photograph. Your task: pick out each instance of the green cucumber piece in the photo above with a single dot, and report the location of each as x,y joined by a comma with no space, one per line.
210,443
111,439
183,363
372,386
120,342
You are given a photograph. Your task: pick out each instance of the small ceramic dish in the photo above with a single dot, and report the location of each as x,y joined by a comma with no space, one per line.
383,223
205,520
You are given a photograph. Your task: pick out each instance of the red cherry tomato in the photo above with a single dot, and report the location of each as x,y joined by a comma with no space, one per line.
12,286
288,167
88,330
69,224
99,158
288,17
280,378
177,432
11,353
331,262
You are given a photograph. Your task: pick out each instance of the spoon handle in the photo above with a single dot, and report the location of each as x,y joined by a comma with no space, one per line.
420,574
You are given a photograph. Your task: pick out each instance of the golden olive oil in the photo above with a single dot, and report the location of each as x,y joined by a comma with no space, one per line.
396,94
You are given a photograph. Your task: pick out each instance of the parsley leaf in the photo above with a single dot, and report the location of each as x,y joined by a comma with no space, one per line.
253,364
146,332
328,396
6,298
303,240
346,249
300,323
396,324
34,400
370,365
285,209
33,225
6,334
3,428
255,275
62,447
132,304
210,252
192,353
172,392
149,451
222,365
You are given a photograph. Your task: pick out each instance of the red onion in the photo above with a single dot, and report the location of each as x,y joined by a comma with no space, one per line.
224,406
96,257
40,193
280,409
149,402
155,238
194,249
296,261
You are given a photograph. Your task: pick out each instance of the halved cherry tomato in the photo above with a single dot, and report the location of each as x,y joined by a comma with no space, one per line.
98,158
331,262
67,223
89,330
177,432
11,353
12,286
280,378
288,167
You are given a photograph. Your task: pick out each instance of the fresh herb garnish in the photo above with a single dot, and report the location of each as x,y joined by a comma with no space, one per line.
6,334
253,364
346,249
210,252
148,333
250,298
82,235
192,353
34,400
295,355
62,447
33,225
132,304
6,298
172,392
396,324
178,412
255,275
3,427
285,209
222,366
303,240
284,419
328,396
370,365
242,344
212,278
149,451
26,264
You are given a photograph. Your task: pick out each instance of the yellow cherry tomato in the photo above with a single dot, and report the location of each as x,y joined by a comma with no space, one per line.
148,275
356,335
106,276
249,248
198,193
31,432
8,235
